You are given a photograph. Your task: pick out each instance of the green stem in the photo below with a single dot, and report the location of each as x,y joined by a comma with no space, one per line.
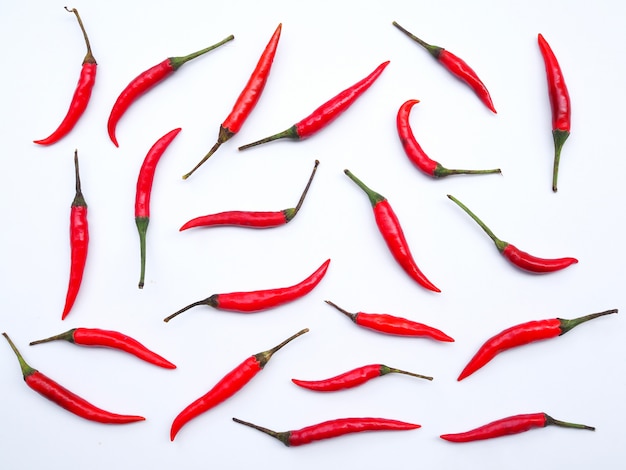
291,133
373,196
265,356
567,325
26,369
435,51
559,137
281,436
499,243
291,213
389,370
210,301
176,62
441,171
142,227
551,421
67,336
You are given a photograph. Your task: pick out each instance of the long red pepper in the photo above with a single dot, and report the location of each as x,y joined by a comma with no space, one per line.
147,80
455,65
393,325
326,113
79,242
559,103
55,392
415,152
144,190
332,428
265,219
391,230
82,93
520,258
255,301
522,334
230,384
247,99
511,425
109,339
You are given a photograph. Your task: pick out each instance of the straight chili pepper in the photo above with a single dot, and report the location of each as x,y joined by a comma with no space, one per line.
511,425
79,242
326,113
265,219
82,93
144,191
391,230
230,384
415,152
522,334
559,103
247,99
255,301
147,80
97,337
520,258
455,65
55,392
393,325
332,428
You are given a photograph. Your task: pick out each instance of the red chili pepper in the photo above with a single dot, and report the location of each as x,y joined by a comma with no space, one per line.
457,66
391,230
79,242
230,384
520,258
559,102
255,301
393,325
332,428
55,392
247,100
148,79
511,425
82,93
144,190
326,113
109,339
415,152
522,334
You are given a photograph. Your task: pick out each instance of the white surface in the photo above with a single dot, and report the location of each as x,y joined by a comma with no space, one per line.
325,47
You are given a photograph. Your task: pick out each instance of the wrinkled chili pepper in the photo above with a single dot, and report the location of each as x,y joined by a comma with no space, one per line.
109,339
332,428
511,425
247,99
144,190
255,301
415,152
230,384
391,230
264,219
392,325
522,334
455,65
326,113
559,103
82,93
520,258
148,79
58,394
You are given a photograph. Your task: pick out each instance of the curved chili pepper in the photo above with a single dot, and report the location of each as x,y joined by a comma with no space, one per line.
332,428
255,301
326,113
511,425
148,79
230,384
415,152
520,258
79,242
522,334
109,339
55,392
251,219
559,103
391,230
247,100
82,93
456,66
392,325
144,190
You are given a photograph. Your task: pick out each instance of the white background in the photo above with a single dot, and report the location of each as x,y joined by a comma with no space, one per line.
325,47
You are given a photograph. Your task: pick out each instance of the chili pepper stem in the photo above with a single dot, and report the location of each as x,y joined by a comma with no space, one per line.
567,325
281,436
210,301
79,199
223,136
142,227
265,356
89,58
434,50
66,336
176,62
351,316
501,245
441,171
391,370
551,421
291,213
373,196
291,133
26,369
559,137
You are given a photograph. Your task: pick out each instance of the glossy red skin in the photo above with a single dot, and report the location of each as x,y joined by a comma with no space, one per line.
79,243
411,147
398,326
531,263
239,218
502,427
557,89
352,378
